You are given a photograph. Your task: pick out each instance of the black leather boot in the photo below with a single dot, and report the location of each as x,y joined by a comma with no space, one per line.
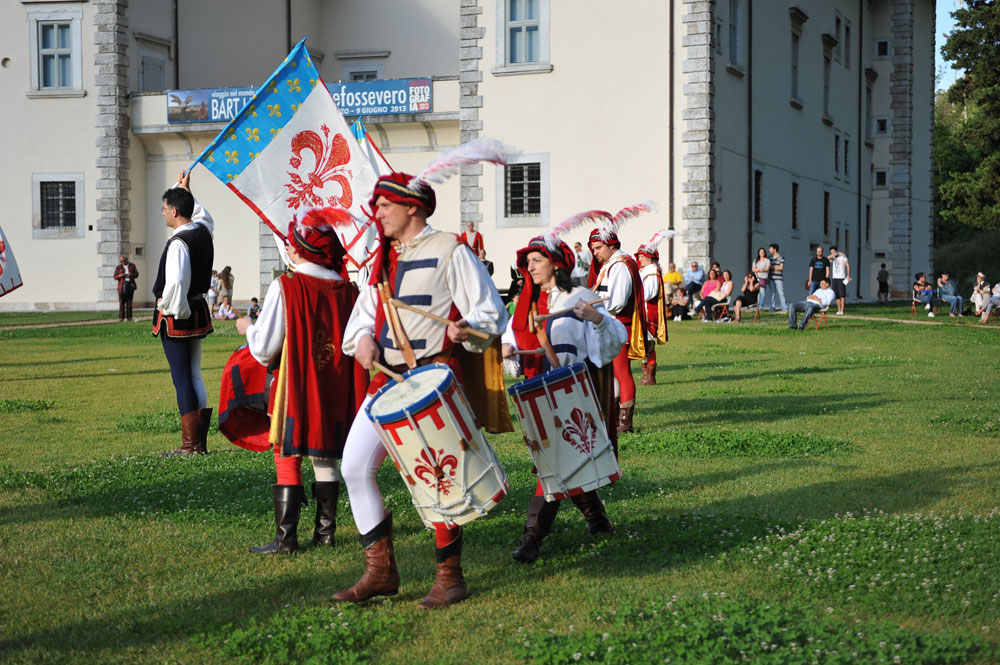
288,500
325,495
541,515
592,507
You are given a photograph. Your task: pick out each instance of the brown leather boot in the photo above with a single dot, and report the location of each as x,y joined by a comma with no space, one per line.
206,422
380,577
592,507
541,515
449,583
648,378
190,431
625,418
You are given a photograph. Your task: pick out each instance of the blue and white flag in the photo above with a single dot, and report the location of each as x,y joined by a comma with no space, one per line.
290,150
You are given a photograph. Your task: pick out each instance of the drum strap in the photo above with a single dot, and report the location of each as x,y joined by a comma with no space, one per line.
543,338
396,327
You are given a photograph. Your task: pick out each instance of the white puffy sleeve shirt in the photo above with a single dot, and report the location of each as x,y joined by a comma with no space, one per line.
471,289
574,339
618,281
177,271
650,283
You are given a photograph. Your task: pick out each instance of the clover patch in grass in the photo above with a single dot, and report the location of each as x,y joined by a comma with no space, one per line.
714,628
984,421
736,443
155,422
338,636
933,565
25,405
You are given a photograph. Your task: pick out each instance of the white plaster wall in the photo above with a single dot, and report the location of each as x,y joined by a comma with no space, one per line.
601,115
46,135
422,37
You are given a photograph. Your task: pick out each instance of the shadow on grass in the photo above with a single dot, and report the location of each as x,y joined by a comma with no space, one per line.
103,375
68,361
145,626
742,410
668,538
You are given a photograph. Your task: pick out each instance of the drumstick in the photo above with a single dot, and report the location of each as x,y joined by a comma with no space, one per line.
543,317
388,372
396,302
530,352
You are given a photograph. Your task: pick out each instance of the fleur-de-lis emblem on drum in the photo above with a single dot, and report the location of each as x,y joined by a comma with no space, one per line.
425,470
580,432
330,159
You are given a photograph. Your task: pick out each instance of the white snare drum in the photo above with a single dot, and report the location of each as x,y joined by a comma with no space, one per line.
427,426
565,431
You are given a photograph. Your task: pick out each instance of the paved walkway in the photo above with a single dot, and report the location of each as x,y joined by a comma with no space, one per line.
94,322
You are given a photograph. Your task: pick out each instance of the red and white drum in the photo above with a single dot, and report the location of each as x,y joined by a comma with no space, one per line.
565,431
428,427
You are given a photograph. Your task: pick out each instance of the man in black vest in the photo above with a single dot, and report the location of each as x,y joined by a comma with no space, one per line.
182,315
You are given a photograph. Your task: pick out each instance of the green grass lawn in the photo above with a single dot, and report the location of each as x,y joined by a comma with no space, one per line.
788,497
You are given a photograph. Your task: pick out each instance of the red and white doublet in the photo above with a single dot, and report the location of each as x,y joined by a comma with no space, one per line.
437,273
474,240
620,282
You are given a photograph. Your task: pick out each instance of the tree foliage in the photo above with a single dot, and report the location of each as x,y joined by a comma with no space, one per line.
969,135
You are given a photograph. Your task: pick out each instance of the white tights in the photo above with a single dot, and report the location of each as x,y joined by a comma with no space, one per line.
363,455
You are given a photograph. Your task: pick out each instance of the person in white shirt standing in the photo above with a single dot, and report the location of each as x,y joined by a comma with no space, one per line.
817,300
182,318
840,274
581,269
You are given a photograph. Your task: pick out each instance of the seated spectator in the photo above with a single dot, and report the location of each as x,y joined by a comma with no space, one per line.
748,295
720,294
671,280
226,310
679,303
949,293
254,311
994,301
694,279
817,300
980,294
924,293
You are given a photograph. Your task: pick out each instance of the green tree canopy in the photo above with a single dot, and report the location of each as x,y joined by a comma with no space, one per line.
970,192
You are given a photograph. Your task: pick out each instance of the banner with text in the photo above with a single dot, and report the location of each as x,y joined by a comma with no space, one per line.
356,98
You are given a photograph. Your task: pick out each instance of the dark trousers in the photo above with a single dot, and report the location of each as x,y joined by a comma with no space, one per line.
125,306
184,359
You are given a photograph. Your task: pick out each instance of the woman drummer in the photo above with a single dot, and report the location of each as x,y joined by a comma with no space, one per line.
586,333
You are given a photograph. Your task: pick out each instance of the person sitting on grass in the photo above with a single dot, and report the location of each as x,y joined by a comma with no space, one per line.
717,296
253,311
817,300
748,296
924,293
679,303
226,310
949,293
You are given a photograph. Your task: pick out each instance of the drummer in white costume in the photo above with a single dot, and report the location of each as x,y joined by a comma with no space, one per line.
433,270
587,333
